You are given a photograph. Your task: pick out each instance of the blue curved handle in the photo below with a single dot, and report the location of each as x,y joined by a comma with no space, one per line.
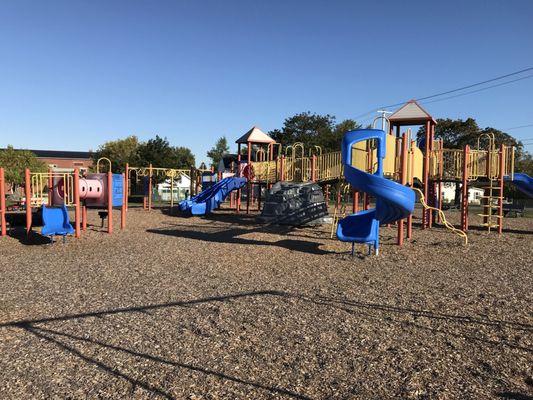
353,137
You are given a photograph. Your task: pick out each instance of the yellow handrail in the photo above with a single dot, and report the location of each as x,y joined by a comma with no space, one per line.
442,216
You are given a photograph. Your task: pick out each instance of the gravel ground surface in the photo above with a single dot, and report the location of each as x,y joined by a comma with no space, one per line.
219,307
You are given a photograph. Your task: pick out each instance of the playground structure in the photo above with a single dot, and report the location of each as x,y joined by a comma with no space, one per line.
486,165
62,190
148,176
393,156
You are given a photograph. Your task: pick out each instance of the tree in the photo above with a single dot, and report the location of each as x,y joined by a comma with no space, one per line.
120,152
16,161
332,141
160,153
218,151
313,130
457,133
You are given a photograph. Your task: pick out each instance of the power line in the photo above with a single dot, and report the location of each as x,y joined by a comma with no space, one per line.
518,127
464,87
478,90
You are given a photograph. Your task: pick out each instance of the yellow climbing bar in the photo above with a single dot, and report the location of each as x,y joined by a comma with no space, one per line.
442,216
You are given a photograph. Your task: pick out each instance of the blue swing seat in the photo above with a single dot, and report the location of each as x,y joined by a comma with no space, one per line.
56,221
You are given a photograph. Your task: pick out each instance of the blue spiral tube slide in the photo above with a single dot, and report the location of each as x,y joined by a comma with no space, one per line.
393,200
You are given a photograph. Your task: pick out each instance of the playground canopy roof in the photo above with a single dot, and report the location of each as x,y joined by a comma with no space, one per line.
411,113
255,135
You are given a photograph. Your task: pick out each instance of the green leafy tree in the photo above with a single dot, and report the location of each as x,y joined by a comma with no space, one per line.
120,152
313,130
456,133
15,162
160,153
218,151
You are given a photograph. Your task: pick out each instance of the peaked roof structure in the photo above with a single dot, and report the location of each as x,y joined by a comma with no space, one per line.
410,113
255,135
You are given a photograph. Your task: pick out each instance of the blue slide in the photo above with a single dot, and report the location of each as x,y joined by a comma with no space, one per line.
211,198
524,183
393,200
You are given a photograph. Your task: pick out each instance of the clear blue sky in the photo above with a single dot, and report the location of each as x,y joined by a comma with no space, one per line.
74,74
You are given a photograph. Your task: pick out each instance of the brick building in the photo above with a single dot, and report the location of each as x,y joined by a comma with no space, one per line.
65,159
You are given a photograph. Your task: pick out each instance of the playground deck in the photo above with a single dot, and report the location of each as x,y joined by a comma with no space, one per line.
221,308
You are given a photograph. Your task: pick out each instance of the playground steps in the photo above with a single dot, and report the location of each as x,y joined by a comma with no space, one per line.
493,202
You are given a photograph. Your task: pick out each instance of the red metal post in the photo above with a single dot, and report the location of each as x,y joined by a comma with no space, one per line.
432,201
464,189
355,201
27,193
84,218
426,175
76,190
127,186
327,196
403,181
50,188
249,185
3,227
501,184
238,172
150,188
313,168
109,202
124,203
411,184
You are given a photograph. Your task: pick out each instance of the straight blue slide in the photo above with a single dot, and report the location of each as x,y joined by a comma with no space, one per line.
524,183
211,198
393,200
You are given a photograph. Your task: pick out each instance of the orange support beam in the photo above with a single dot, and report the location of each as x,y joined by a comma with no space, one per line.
403,181
127,185
425,213
109,202
50,188
355,201
124,202
313,168
249,186
3,227
464,190
150,188
238,173
411,184
84,218
501,184
27,193
77,233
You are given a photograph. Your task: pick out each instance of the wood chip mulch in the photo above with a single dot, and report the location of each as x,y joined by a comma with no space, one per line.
221,307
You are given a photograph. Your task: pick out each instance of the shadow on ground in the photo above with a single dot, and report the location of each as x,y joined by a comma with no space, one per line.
383,313
231,236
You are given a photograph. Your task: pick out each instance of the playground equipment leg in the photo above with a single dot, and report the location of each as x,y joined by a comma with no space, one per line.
27,192
3,229
109,202
50,188
464,191
355,202
84,218
127,185
77,202
501,184
124,204
150,189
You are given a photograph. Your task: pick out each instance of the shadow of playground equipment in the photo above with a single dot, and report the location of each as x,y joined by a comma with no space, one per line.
231,236
382,313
